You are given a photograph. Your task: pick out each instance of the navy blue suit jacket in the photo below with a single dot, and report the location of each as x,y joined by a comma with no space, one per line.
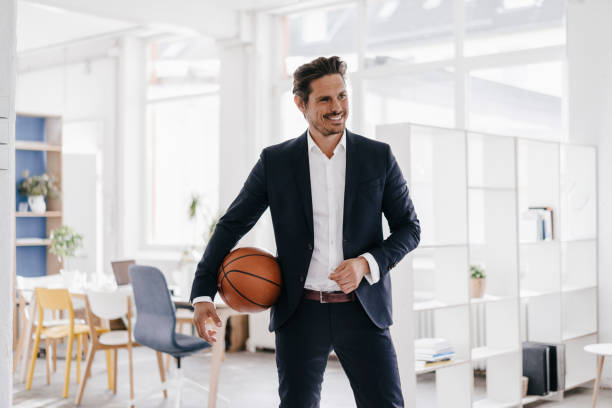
281,180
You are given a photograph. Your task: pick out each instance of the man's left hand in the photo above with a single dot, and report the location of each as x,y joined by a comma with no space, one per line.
349,273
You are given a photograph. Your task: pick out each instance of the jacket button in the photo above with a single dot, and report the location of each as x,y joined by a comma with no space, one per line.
301,279
309,246
345,240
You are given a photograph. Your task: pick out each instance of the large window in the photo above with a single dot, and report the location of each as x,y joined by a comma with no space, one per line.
493,66
182,157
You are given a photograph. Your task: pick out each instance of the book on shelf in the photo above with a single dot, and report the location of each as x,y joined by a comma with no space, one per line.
536,367
433,349
420,365
537,224
556,361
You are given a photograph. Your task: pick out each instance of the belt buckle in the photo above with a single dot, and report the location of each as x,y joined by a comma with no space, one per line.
321,297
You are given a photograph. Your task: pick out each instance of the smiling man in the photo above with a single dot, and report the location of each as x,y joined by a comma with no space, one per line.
326,190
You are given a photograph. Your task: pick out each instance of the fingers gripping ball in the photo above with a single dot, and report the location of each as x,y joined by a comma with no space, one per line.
249,280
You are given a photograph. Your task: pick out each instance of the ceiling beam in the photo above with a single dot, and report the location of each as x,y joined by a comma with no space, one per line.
205,17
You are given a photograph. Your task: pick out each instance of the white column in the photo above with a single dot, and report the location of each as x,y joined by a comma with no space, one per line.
130,186
7,192
590,122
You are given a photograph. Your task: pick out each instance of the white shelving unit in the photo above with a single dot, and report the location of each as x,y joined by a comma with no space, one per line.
471,192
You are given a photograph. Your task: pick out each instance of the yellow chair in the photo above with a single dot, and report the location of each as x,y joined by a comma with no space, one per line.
53,300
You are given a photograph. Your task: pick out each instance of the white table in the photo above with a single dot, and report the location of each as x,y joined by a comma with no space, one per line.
601,350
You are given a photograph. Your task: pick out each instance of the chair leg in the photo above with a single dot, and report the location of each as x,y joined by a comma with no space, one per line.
162,375
47,358
19,350
179,388
68,362
90,357
600,363
54,355
78,358
129,349
167,363
33,360
115,363
109,369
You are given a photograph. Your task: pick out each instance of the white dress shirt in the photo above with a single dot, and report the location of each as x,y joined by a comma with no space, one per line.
327,180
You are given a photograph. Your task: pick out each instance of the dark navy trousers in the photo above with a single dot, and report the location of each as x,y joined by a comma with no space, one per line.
365,351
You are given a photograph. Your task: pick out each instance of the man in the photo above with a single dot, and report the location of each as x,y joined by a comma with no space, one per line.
326,190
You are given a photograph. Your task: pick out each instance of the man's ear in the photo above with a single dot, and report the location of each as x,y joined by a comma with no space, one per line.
299,102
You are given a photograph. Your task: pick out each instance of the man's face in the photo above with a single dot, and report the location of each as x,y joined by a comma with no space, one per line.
327,107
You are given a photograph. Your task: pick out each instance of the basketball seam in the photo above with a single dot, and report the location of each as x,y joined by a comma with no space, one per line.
244,256
246,298
251,274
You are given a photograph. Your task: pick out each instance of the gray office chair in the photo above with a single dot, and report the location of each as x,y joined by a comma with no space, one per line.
156,324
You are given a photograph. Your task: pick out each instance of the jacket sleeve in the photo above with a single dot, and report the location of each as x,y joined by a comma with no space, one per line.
240,217
403,222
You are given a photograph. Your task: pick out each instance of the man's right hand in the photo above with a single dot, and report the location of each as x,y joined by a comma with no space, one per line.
202,312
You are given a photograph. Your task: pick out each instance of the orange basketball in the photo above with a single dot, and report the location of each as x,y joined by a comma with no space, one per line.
249,280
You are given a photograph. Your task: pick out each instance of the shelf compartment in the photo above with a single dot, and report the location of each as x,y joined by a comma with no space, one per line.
32,242
492,229
487,403
488,298
579,365
434,304
579,313
543,321
29,214
579,201
569,336
490,161
539,267
526,293
570,288
442,273
502,380
37,146
533,398
484,353
419,371
579,263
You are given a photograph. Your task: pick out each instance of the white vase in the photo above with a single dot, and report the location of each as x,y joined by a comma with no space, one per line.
37,203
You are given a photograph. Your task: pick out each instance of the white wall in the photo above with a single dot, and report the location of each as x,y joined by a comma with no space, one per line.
7,192
590,122
81,92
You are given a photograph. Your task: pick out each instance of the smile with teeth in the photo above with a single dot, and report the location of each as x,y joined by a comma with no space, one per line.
334,118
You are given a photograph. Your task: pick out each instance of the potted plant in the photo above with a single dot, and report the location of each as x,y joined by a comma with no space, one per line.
37,189
64,244
477,281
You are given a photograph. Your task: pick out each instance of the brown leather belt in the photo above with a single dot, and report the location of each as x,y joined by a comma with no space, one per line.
329,297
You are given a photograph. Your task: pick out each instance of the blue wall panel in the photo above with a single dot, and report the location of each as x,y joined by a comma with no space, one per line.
29,128
31,228
31,261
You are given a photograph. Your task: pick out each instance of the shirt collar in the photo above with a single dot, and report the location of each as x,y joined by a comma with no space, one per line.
312,144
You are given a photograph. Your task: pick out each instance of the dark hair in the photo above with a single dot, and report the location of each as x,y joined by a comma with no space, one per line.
315,69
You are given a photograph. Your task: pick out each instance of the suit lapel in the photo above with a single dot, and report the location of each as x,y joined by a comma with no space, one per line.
351,178
302,178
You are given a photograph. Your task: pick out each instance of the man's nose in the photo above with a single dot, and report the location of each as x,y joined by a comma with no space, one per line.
336,106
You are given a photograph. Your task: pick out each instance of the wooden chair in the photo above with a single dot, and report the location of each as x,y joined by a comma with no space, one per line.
57,300
24,295
108,306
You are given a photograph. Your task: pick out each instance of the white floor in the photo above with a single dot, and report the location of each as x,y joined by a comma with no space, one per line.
248,379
